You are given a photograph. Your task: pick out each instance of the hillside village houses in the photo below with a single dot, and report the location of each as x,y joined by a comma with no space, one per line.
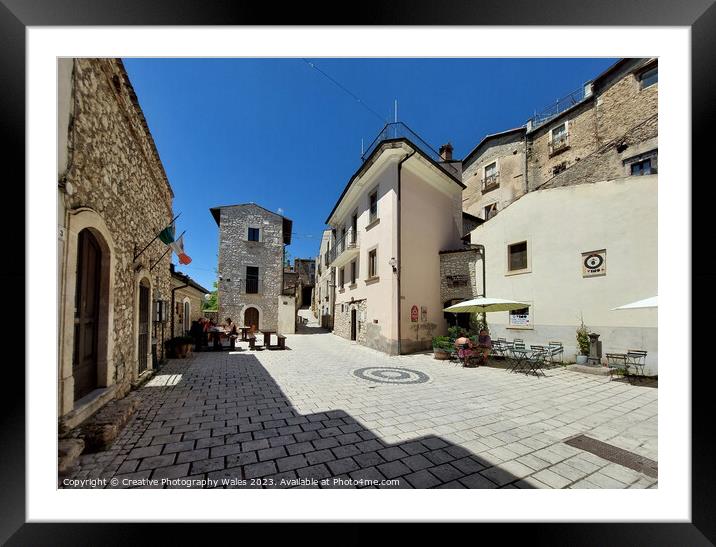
546,207
113,199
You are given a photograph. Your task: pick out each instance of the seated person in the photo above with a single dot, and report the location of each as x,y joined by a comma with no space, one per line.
230,328
484,344
464,346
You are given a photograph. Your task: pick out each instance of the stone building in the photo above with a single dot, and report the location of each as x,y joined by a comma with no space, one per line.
459,281
583,240
505,166
251,263
305,269
113,199
186,301
324,293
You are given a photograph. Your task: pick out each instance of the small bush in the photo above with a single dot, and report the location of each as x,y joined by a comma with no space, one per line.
442,342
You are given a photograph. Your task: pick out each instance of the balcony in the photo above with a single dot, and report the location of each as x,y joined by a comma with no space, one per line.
344,249
490,182
558,144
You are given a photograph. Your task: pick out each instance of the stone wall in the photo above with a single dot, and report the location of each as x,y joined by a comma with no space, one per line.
342,320
114,175
508,151
195,300
608,163
582,140
617,107
458,275
236,253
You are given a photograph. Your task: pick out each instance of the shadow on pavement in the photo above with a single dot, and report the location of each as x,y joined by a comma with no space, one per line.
227,423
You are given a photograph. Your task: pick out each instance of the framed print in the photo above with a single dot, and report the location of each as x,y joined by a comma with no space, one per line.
251,215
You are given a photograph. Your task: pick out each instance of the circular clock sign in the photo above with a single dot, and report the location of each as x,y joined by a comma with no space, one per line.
593,261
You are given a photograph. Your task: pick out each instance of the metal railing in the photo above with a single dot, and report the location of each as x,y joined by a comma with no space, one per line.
349,240
558,144
397,130
252,285
556,108
490,182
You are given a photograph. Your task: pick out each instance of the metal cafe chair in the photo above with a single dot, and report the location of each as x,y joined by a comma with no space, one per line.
636,358
617,361
555,349
535,360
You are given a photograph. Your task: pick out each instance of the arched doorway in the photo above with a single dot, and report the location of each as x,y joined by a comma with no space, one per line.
251,317
143,326
85,353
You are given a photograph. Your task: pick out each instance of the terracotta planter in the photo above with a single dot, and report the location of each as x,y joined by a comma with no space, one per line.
441,354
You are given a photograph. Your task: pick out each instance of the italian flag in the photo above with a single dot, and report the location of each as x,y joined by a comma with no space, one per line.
178,248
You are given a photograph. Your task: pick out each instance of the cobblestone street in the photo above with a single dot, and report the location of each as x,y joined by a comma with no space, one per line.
310,413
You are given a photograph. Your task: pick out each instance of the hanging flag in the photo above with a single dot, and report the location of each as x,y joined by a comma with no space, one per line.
178,248
167,234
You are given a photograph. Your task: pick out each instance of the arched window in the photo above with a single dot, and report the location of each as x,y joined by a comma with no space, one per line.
187,315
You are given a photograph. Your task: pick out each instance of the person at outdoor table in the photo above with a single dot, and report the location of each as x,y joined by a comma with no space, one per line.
464,346
484,344
230,329
196,331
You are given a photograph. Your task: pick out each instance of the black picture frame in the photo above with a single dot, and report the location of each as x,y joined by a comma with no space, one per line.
699,15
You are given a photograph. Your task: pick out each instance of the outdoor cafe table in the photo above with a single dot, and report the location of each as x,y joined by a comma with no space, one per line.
215,336
244,332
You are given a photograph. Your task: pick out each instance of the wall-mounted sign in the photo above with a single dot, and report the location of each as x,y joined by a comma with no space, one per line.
414,314
423,314
594,263
520,318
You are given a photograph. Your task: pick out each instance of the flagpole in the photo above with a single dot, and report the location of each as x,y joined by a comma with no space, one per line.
160,258
155,238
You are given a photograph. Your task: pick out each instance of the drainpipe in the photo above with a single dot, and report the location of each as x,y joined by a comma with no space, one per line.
400,264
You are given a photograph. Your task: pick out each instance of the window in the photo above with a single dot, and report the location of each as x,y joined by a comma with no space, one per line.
649,78
341,277
254,234
372,263
641,168
353,272
517,256
252,279
557,169
373,200
490,211
520,318
558,138
643,164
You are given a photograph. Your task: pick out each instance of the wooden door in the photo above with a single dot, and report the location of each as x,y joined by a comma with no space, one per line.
353,324
84,361
251,317
143,340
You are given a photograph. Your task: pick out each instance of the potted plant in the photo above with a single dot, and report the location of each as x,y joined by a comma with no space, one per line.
582,344
179,346
442,346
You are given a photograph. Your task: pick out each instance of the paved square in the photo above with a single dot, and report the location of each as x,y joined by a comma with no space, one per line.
298,417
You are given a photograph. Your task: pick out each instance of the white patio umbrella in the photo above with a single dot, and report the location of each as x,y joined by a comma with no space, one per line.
646,303
485,305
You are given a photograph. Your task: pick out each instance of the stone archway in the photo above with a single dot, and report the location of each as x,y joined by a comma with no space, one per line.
85,228
251,317
143,290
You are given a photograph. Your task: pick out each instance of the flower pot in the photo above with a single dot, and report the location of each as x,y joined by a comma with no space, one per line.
582,359
441,354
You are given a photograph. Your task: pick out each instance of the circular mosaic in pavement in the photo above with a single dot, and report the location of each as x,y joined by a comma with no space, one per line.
391,375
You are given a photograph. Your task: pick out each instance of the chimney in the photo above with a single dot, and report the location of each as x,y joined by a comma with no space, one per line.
446,152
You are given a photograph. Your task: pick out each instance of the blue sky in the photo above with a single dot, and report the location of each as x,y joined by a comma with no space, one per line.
280,134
